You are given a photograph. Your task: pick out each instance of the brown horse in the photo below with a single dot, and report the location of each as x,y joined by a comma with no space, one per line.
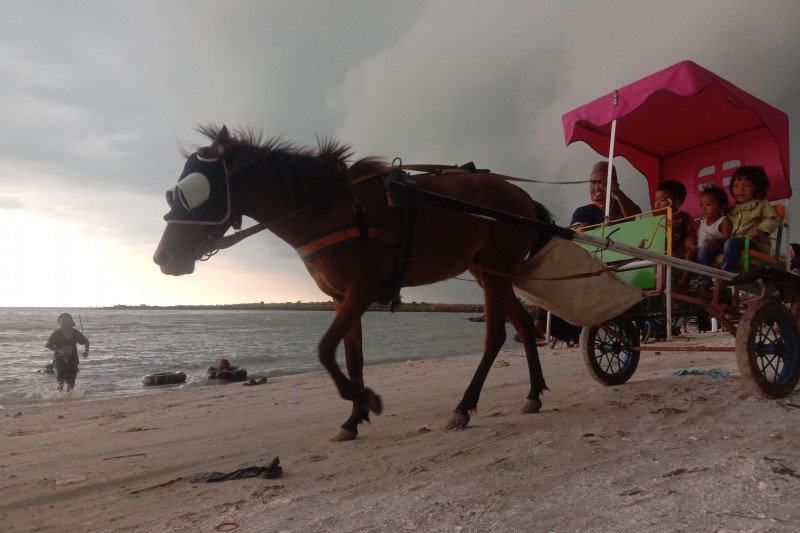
358,248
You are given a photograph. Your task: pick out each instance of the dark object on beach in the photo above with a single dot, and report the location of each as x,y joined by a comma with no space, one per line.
271,471
254,381
560,329
232,374
164,378
703,322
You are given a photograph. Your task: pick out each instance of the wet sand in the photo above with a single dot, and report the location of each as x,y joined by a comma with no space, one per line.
659,453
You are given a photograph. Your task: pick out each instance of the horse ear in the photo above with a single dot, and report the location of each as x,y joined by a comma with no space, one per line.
222,137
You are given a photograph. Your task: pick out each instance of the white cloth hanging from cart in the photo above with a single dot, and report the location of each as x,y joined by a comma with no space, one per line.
555,279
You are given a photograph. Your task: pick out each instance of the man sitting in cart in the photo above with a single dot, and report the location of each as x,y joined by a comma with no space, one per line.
595,212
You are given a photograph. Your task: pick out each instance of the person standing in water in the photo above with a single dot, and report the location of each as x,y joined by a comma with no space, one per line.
64,343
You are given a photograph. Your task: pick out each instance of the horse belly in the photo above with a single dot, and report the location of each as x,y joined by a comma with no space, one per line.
458,241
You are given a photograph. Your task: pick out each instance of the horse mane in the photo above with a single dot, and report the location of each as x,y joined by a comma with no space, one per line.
305,174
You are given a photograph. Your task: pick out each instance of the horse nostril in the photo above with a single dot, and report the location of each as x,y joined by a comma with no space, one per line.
161,258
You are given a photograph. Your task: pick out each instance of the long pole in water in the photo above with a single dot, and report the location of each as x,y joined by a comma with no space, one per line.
80,322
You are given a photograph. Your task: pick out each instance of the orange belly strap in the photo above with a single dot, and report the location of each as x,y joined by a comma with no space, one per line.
324,244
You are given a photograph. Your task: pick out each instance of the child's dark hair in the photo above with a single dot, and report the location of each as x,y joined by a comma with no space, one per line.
719,195
675,189
755,175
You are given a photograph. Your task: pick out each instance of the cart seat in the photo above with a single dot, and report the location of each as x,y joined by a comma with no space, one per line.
648,232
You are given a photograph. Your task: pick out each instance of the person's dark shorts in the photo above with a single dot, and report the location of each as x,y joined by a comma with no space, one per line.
66,370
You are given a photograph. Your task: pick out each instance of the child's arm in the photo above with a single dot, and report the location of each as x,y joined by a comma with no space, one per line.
725,228
690,244
83,340
769,220
51,345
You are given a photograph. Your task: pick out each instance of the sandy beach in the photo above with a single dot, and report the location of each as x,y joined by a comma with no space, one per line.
660,453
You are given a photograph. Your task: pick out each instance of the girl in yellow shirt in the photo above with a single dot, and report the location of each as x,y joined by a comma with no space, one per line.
752,215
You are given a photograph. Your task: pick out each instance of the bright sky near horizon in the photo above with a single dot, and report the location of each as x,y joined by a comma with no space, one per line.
97,97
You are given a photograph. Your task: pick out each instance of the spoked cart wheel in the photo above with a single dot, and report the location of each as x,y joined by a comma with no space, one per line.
766,348
607,351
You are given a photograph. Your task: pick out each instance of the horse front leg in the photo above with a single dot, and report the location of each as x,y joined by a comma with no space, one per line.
348,313
522,322
494,313
354,359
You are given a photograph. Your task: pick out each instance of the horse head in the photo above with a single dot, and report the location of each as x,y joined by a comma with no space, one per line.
200,209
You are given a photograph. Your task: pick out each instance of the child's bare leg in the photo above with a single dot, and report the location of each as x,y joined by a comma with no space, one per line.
719,288
686,276
683,284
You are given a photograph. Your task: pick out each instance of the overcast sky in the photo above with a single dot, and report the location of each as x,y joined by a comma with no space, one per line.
97,97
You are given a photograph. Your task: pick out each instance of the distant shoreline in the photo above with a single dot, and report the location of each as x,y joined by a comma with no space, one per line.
405,307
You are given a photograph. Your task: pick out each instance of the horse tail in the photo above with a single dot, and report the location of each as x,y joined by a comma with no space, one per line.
542,214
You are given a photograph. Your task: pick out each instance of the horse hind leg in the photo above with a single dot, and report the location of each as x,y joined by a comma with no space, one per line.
523,324
348,312
494,294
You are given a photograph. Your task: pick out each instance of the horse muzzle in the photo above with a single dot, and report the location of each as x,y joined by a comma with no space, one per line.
173,268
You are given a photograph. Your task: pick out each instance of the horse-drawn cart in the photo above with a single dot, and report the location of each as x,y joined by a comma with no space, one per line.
367,229
705,129
767,335
687,124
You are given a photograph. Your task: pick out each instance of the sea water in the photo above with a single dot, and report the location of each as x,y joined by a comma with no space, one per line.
127,344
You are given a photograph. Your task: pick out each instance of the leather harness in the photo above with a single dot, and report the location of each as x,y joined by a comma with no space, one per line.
401,194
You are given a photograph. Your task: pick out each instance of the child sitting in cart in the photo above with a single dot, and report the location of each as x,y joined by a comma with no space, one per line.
672,194
751,216
713,230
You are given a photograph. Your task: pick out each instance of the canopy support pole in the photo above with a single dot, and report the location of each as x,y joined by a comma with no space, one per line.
610,171
668,293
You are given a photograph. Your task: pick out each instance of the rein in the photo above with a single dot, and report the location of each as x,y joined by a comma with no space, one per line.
211,245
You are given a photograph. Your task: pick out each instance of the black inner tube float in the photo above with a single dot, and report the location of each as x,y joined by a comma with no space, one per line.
164,378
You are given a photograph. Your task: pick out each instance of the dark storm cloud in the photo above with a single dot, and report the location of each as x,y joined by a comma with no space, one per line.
99,95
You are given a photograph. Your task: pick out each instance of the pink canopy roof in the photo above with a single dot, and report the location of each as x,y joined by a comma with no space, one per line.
688,124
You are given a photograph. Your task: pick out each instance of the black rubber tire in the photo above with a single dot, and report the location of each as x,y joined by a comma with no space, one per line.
164,378
767,349
607,359
238,374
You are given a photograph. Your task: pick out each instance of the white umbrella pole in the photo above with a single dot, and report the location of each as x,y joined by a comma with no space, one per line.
611,159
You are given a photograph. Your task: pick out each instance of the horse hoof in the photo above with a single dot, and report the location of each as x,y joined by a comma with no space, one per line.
531,406
344,435
459,421
372,401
